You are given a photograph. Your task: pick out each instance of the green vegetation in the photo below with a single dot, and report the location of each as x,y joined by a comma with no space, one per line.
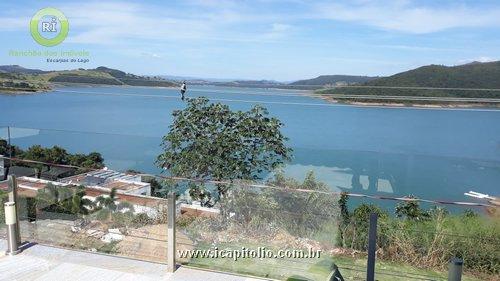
66,200
68,203
412,243
209,141
85,79
351,268
426,238
4,197
253,217
296,212
11,82
324,80
54,155
15,78
472,76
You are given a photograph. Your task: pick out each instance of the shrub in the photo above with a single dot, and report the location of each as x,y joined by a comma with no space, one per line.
427,239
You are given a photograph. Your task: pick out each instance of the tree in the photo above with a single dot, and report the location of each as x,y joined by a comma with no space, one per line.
297,211
356,235
411,210
80,205
345,217
209,141
93,160
36,153
57,155
107,202
6,149
62,199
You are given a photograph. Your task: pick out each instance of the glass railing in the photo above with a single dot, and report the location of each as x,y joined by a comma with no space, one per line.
3,198
95,220
287,225
259,230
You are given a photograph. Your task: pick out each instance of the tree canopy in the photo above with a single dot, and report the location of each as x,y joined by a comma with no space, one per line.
52,155
210,141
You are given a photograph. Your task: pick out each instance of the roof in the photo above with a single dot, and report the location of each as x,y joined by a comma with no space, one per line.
135,199
20,171
27,183
107,179
29,187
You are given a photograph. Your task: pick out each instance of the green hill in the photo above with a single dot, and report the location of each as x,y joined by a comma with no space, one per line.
108,76
18,69
16,78
333,80
470,76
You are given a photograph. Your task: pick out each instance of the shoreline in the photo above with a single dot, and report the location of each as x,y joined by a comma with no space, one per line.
20,91
407,104
88,85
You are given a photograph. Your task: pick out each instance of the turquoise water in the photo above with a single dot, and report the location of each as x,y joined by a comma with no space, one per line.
431,153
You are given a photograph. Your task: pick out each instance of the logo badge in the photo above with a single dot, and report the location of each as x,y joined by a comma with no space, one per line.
49,27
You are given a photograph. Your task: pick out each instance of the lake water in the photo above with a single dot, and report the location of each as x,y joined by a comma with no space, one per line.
431,153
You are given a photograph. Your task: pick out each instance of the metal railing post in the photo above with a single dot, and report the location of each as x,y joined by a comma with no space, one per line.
10,222
12,182
171,232
372,245
455,269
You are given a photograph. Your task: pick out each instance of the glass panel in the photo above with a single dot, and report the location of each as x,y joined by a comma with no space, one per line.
93,219
70,198
65,201
3,198
121,152
263,230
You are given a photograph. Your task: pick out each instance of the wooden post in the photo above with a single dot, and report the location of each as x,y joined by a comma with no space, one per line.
171,232
372,245
12,182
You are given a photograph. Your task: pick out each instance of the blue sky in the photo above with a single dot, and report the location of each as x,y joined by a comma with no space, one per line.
262,39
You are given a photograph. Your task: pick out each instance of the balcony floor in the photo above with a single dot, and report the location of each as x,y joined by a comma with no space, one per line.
40,262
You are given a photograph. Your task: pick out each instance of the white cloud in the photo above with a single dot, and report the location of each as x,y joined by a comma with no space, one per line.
13,23
119,22
108,23
151,55
478,59
414,48
405,16
279,27
278,30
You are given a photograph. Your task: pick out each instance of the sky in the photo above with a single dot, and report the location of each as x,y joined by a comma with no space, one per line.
261,39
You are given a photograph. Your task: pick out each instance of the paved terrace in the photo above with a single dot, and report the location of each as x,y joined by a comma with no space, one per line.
40,262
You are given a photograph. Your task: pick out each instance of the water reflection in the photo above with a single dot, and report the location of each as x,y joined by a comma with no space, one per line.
396,174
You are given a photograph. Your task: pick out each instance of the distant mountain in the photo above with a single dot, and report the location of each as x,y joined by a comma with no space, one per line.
324,80
472,75
18,69
196,80
14,77
108,76
251,83
113,72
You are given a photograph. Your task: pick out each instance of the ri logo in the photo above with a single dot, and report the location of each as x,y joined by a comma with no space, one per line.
49,27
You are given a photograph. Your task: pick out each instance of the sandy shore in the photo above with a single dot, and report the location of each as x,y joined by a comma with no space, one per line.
400,104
